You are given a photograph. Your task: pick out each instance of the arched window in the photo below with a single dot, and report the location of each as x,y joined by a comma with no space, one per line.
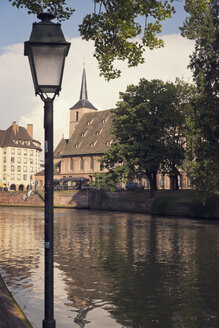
76,116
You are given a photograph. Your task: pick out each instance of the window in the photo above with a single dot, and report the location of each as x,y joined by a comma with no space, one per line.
4,159
25,160
25,169
19,151
31,152
77,146
25,151
71,164
13,151
19,160
31,169
76,116
12,176
12,168
189,182
19,168
31,177
18,177
162,181
4,168
12,160
24,177
82,163
91,163
31,160
5,151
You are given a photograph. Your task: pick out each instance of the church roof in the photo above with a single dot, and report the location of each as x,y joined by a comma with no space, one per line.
91,136
83,101
60,147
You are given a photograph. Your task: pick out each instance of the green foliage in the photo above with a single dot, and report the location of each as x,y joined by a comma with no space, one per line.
115,25
120,29
202,160
147,126
57,7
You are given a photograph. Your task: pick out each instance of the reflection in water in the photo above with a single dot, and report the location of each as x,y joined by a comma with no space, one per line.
114,269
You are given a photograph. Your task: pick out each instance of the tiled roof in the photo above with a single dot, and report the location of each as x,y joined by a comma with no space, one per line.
19,139
2,134
91,136
60,147
82,103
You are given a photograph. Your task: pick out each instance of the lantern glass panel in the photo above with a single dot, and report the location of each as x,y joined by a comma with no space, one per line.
48,62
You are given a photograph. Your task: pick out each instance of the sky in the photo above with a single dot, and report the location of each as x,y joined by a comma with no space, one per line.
18,101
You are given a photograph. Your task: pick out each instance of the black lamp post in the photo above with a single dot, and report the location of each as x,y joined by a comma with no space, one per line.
46,50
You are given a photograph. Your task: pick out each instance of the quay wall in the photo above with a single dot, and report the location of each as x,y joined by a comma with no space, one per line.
183,203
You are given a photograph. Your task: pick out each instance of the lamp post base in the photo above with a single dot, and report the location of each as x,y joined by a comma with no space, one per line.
49,323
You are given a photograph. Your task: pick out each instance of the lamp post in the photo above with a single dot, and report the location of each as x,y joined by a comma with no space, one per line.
46,50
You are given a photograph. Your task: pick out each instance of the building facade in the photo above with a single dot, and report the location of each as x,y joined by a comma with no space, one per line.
19,157
89,138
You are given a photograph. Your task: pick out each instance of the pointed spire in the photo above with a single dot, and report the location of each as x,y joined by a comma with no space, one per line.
83,95
83,101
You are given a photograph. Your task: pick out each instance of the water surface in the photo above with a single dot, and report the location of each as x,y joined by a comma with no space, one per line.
114,269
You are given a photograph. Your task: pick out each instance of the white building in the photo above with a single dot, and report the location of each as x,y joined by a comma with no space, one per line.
19,157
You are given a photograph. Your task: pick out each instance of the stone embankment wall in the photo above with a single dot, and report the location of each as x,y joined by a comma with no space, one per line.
181,203
16,198
77,199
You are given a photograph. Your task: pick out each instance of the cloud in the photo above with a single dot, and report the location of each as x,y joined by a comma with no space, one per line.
18,102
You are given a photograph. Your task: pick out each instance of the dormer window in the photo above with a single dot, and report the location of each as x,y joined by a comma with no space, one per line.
90,122
92,144
99,132
104,120
84,134
109,143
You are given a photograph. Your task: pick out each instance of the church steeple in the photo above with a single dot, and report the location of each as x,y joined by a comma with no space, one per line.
83,102
81,107
83,95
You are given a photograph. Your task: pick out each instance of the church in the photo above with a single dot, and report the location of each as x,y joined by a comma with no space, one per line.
76,158
89,138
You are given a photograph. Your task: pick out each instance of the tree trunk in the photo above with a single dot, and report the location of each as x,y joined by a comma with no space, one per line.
152,177
174,185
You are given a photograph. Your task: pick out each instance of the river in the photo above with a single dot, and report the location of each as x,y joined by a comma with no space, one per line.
114,269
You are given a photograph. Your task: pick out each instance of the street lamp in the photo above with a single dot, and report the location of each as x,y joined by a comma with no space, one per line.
46,50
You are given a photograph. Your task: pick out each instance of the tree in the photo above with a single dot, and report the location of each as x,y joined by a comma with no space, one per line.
202,160
143,125
120,29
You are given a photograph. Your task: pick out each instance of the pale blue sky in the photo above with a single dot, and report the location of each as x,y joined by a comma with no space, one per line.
15,25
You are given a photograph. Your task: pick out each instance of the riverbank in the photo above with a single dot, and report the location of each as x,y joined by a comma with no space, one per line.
182,203
10,313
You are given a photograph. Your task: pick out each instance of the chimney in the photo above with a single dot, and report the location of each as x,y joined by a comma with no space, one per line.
30,130
14,127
